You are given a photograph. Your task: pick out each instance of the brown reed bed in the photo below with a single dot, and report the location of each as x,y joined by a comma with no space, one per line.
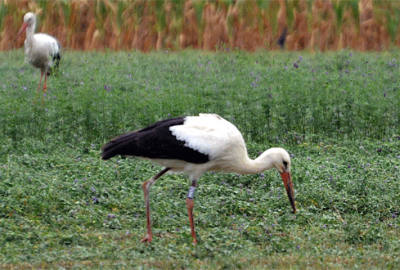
210,25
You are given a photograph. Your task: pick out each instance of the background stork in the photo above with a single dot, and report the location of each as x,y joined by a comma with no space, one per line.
41,50
195,145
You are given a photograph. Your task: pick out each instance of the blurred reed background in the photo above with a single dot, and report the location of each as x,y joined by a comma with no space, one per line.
251,25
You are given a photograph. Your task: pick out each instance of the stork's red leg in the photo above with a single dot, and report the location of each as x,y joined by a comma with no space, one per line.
45,84
189,205
146,189
40,82
149,235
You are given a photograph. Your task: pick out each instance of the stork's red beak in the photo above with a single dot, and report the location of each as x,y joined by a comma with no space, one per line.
23,28
287,180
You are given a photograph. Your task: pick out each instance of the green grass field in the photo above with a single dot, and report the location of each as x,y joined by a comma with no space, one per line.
337,114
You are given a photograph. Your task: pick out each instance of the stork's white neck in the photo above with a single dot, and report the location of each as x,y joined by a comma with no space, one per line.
262,163
30,30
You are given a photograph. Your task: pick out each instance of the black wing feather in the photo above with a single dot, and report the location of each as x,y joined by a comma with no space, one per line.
57,56
154,141
56,60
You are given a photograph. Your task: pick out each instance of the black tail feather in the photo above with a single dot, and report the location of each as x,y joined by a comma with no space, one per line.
121,145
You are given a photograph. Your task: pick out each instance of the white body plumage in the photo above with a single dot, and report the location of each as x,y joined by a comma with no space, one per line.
40,50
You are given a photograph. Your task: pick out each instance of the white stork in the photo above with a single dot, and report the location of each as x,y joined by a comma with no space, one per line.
41,50
195,145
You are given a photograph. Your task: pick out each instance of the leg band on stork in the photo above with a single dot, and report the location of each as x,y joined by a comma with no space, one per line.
190,194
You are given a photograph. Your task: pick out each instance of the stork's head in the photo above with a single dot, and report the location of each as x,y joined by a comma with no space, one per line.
30,18
29,21
281,161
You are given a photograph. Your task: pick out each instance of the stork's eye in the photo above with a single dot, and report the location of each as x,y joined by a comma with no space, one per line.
285,164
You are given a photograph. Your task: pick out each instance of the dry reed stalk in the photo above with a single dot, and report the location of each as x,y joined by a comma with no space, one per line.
111,31
80,16
129,20
173,23
268,39
369,30
8,34
348,37
215,31
58,29
397,39
384,31
146,36
232,24
281,24
190,34
383,38
253,29
138,30
299,37
209,39
281,17
323,26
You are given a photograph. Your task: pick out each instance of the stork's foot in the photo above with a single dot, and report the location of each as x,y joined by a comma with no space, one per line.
147,239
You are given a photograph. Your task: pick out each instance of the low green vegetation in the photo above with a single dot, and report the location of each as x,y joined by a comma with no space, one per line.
337,114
